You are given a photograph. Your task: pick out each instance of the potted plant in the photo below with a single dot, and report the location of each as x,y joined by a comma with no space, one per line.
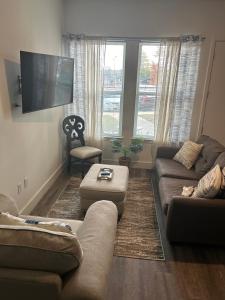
136,145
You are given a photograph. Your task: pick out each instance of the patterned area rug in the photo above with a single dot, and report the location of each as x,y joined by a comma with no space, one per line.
138,233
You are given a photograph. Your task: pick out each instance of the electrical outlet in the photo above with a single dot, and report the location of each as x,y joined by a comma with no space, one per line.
25,182
19,188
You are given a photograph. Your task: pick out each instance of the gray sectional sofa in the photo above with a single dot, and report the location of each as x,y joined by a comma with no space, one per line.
192,220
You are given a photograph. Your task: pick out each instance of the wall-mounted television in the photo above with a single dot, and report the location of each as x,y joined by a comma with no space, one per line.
47,81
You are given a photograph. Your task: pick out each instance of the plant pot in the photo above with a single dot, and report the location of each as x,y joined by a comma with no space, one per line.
124,161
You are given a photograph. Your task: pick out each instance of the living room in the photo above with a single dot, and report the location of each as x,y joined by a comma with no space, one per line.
33,152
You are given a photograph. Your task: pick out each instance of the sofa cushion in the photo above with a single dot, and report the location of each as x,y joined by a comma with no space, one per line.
36,247
171,168
188,154
220,160
167,151
169,187
85,152
209,185
208,155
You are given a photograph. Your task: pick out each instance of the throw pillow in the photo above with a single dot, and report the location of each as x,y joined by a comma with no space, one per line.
209,185
28,246
208,155
221,193
188,154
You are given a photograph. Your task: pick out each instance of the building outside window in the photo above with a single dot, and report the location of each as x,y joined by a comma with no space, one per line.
146,89
113,89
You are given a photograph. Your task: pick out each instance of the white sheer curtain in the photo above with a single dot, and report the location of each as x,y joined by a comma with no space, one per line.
185,90
166,88
89,58
176,88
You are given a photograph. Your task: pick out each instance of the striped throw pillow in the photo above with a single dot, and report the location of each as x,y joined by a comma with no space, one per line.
209,185
188,154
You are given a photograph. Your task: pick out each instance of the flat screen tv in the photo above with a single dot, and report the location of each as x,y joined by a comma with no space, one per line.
47,81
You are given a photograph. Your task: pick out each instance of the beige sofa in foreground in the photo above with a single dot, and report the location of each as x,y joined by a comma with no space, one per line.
89,282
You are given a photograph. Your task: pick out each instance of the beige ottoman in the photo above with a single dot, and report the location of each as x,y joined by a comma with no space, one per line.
92,190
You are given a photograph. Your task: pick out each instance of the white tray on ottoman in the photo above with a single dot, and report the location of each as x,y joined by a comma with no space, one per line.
92,189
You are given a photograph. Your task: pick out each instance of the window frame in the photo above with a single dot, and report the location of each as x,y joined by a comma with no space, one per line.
117,42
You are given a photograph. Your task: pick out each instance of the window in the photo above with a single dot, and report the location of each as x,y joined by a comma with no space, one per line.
160,85
113,89
146,89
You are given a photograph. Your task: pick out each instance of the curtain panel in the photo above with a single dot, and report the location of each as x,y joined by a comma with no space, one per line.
176,88
89,58
166,88
186,86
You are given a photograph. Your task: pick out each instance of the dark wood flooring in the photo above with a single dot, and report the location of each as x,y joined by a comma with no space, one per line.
189,272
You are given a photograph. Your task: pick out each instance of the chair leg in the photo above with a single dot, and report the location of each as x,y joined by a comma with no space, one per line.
82,169
69,164
100,158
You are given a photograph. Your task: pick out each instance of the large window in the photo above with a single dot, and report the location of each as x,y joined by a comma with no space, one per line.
151,96
146,89
159,84
113,89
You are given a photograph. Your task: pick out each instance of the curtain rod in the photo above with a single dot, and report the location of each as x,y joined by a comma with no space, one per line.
127,38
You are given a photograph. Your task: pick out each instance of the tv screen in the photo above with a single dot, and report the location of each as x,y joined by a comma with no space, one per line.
47,81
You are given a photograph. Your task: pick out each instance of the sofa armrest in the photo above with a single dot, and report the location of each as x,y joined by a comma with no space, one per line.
29,284
196,220
167,151
96,235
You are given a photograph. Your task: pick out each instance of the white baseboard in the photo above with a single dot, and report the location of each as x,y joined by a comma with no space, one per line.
142,164
134,164
41,191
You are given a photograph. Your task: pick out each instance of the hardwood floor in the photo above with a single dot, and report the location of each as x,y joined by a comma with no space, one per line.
189,272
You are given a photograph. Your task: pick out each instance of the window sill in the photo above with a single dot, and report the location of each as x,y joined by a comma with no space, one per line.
146,139
111,137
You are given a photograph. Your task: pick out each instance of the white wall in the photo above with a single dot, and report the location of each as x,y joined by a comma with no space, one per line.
151,18
144,17
214,121
29,144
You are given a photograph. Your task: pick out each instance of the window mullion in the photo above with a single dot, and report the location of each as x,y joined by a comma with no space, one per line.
130,80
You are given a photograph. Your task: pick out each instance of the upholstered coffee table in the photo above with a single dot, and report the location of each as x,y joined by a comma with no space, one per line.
92,189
